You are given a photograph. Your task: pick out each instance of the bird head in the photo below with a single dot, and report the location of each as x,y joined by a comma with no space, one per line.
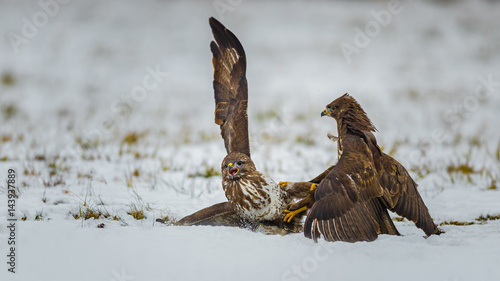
346,109
236,165
338,107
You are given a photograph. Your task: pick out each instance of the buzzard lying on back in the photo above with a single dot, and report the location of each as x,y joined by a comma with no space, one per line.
351,202
252,196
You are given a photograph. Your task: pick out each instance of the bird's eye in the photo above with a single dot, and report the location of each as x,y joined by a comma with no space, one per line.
239,163
333,108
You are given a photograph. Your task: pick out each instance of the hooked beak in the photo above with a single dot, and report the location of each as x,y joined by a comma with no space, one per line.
326,112
232,171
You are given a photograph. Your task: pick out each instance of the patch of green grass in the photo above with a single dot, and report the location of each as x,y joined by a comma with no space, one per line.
132,138
488,217
9,111
39,216
465,169
461,169
421,171
459,223
86,143
136,173
8,79
167,220
482,219
306,139
208,137
129,180
54,181
40,157
87,213
475,141
493,185
59,202
93,211
300,117
413,94
84,176
6,138
165,164
208,172
262,116
56,168
136,212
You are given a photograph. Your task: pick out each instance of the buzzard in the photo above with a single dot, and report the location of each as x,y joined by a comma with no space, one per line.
252,196
351,202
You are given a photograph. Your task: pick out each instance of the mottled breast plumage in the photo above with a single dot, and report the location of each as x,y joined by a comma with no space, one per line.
255,197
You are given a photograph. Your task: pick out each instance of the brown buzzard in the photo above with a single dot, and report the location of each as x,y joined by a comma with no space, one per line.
351,202
251,195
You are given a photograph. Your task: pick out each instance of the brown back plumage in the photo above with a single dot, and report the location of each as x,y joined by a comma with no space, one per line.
352,200
230,88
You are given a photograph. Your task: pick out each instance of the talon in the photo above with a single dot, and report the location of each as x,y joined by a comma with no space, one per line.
290,214
283,183
313,186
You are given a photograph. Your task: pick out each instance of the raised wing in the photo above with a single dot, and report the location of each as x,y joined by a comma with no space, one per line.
347,206
230,88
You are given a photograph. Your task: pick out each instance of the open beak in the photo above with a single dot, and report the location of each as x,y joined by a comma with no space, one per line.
326,112
232,171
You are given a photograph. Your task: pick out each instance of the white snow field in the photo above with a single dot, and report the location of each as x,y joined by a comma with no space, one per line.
106,117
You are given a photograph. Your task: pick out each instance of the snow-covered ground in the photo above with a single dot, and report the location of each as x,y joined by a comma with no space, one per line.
106,108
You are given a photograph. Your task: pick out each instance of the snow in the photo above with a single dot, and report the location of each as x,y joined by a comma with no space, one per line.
96,72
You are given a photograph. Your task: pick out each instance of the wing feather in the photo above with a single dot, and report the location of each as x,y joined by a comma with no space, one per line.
343,208
404,196
400,190
230,88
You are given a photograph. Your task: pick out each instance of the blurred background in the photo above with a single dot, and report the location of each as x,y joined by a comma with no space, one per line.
107,117
122,90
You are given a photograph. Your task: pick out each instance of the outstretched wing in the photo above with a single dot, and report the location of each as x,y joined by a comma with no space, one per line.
400,190
347,206
404,197
230,88
218,214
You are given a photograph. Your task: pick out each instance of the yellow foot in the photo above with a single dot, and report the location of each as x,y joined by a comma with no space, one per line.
290,214
313,186
283,183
